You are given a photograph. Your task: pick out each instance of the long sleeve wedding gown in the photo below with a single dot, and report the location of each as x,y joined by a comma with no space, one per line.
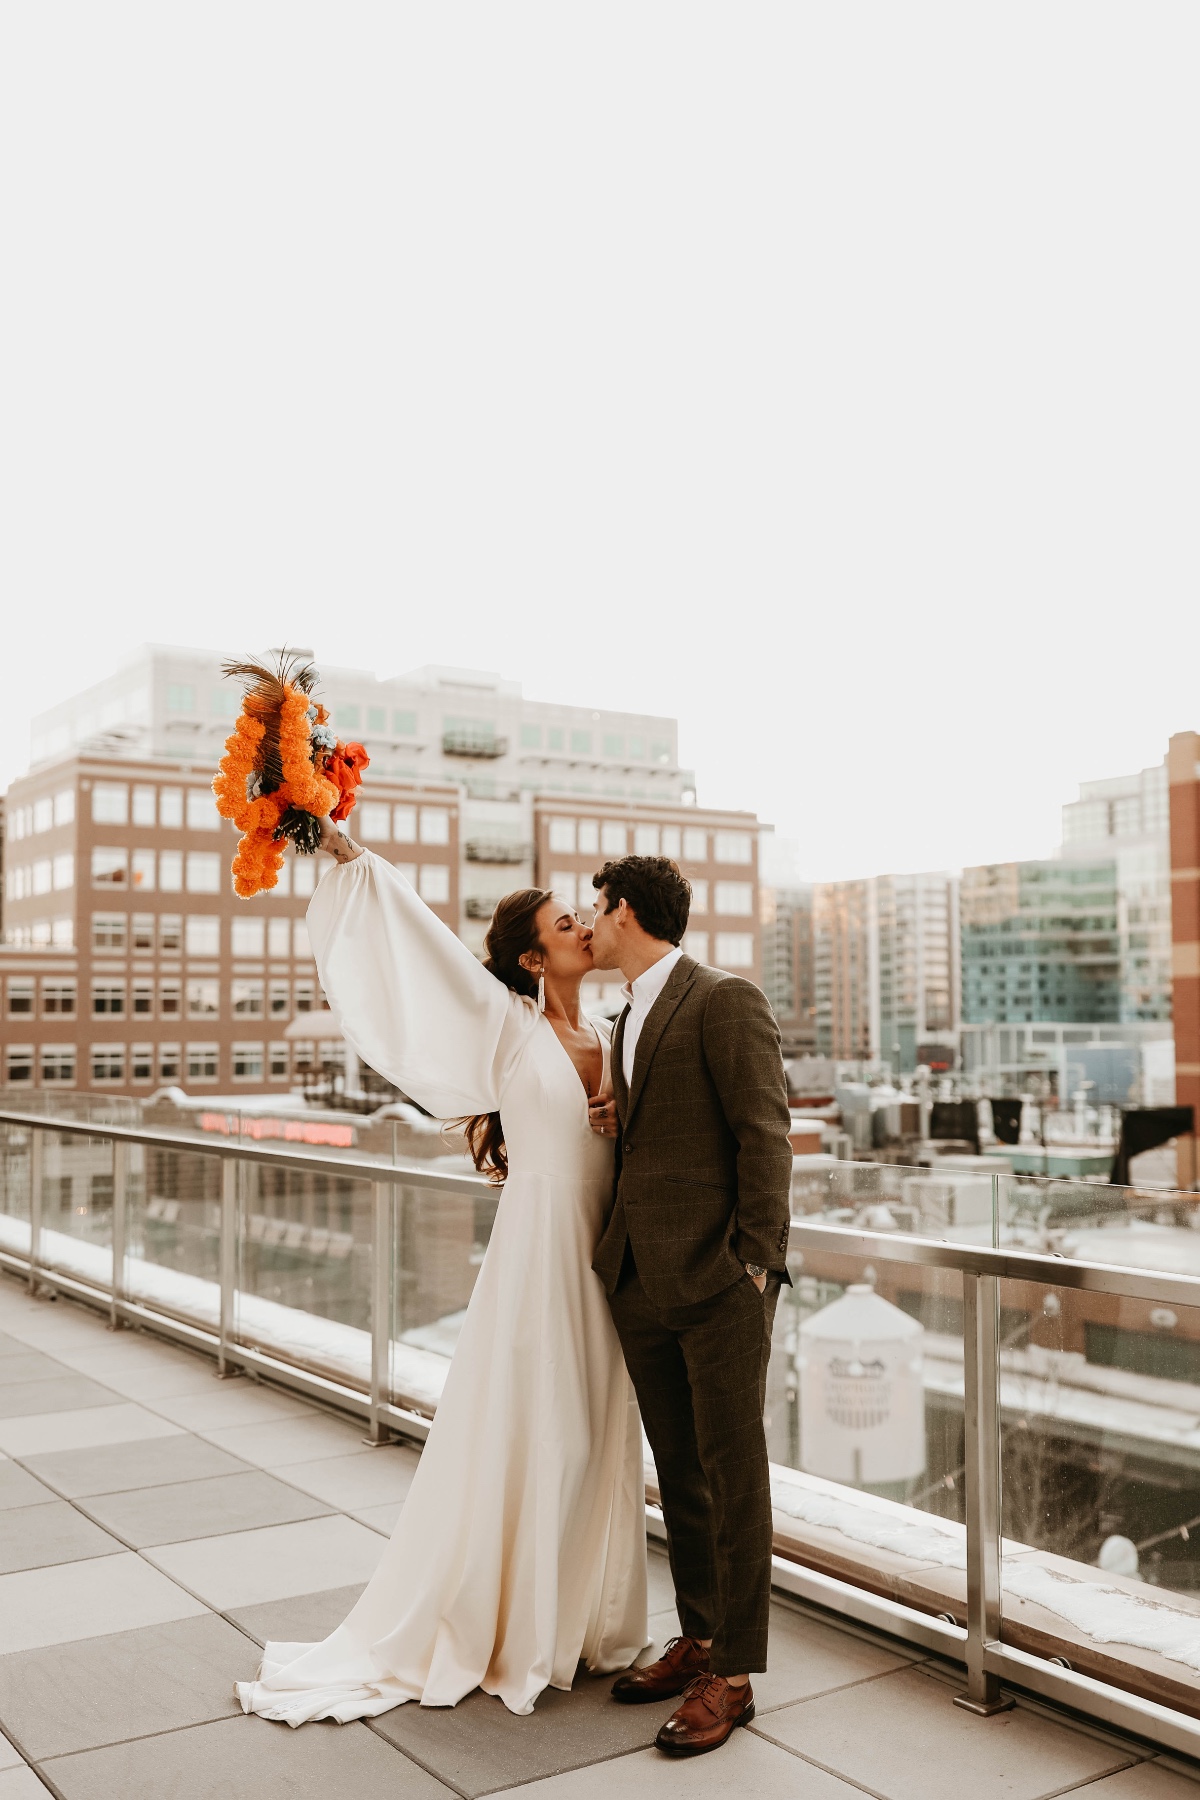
521,1547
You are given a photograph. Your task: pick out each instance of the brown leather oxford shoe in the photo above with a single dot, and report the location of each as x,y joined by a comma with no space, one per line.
682,1660
710,1711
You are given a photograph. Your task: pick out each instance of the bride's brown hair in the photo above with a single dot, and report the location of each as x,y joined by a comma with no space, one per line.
511,935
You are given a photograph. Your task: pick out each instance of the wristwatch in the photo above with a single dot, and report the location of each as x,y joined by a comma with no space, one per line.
754,1270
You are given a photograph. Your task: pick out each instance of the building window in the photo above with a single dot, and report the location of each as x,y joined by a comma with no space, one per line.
735,950
58,1064
404,824
168,1062
614,745
108,931
170,808
300,944
58,997
695,944
733,847
108,997
531,737
247,936
142,931
64,871
735,898
110,803
64,806
304,876
203,999
170,999
562,836
435,884
279,936
170,871
404,723
141,1062
223,703
278,998
143,806
202,1062
435,825
42,875
637,748
278,1061
18,1065
303,1051
373,821
203,934
143,999
40,931
170,933
305,992
203,872
143,871
181,697
20,995
661,753
645,840
247,1062
376,720
589,837
695,844
108,1062
347,718
562,883
247,999
613,838
202,814
699,896
581,743
409,872
110,868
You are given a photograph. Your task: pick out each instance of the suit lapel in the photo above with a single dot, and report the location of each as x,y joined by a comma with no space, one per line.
657,1020
616,1067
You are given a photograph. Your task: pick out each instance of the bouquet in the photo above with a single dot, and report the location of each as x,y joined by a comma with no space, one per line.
283,770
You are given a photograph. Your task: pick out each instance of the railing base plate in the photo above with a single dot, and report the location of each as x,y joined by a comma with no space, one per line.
984,1708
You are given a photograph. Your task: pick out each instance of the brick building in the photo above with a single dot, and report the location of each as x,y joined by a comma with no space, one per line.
128,961
1183,771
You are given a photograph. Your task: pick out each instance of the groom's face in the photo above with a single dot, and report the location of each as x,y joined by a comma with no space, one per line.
606,942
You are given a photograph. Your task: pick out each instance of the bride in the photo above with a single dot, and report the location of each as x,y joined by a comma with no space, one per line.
521,1548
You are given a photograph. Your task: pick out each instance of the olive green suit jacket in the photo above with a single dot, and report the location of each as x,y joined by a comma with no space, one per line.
704,1165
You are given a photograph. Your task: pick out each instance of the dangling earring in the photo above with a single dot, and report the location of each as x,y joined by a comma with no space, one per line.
541,993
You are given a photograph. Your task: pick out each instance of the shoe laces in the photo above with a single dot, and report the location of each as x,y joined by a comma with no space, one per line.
701,1687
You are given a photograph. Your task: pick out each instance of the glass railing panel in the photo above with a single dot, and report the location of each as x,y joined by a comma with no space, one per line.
173,1232
949,1204
77,1205
864,1420
304,1268
1095,1221
1100,1481
440,1239
16,1143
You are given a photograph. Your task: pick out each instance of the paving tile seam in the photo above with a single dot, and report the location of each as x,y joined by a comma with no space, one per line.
1078,1787
596,1763
840,1687
373,1727
825,1768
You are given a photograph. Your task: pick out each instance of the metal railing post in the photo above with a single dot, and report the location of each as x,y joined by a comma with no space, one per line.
229,1200
120,1155
36,1160
381,1307
981,1454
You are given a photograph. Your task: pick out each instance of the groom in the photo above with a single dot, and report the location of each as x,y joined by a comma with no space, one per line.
692,1256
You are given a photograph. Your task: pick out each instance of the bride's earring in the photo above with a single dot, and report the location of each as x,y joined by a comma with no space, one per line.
541,993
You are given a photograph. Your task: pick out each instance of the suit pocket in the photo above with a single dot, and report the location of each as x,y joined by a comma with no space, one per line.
713,1184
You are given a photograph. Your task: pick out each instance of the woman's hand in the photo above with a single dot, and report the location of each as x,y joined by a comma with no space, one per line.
336,842
602,1115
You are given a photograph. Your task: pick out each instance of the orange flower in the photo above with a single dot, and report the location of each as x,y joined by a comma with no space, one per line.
344,765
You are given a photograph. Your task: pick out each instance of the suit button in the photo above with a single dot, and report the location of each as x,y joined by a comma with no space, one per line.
628,1149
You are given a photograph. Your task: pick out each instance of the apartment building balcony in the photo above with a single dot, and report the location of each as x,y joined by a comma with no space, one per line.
161,1524
473,743
496,850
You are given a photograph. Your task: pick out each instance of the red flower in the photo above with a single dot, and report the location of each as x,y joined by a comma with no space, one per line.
344,766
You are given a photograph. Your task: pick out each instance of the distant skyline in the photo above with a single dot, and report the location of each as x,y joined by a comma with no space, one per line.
825,378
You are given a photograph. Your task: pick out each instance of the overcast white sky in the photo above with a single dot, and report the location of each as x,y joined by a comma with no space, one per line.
825,375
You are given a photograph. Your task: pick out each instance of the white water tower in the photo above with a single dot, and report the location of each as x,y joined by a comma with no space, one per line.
862,1398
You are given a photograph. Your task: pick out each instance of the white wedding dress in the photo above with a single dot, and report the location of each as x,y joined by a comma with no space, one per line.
522,1544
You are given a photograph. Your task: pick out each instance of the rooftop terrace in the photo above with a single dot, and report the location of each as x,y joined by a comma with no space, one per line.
159,1525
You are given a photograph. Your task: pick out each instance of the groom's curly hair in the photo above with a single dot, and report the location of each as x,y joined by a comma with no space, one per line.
658,896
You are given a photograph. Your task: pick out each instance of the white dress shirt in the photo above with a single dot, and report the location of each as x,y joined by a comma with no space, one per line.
641,995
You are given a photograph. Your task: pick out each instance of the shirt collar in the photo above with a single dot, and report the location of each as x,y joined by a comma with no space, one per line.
650,984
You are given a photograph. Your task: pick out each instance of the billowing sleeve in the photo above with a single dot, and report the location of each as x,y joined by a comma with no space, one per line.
408,994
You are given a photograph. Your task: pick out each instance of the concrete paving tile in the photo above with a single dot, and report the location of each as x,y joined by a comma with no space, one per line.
147,1381
919,1743
11,1346
230,1403
120,1423
18,1487
1146,1781
32,1537
9,1757
302,1619
380,1518
114,1468
354,1482
127,1684
278,1443
479,1745
21,1784
31,1365
48,1329
176,1511
243,1567
133,1350
746,1765
87,1599
246,1759
64,1393
806,1657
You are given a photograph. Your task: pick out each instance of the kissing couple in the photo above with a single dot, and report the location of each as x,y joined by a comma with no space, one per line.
635,1262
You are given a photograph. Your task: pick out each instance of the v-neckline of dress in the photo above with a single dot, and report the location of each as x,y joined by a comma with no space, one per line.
587,1093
